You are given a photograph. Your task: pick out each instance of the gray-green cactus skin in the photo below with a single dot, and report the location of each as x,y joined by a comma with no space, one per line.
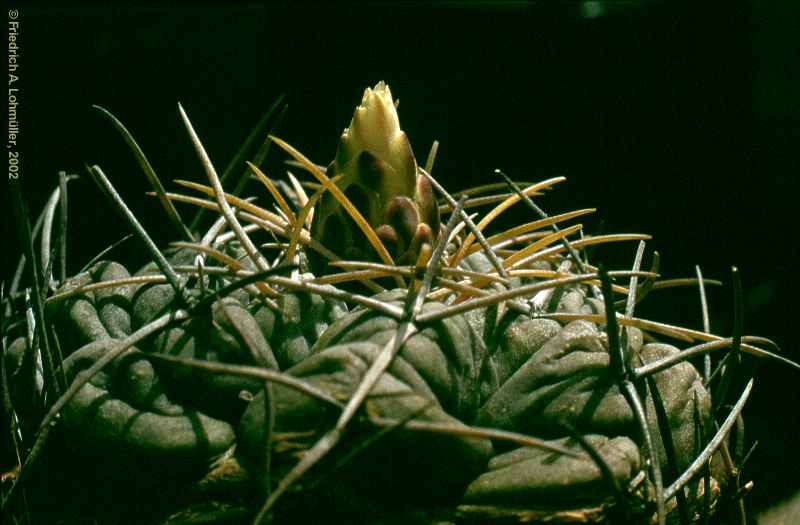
488,368
527,375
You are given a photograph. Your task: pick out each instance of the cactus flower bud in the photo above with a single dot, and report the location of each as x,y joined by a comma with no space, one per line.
375,129
379,175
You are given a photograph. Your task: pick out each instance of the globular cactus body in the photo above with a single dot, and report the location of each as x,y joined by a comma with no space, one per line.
502,399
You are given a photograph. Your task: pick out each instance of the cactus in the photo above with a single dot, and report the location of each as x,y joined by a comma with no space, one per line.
377,363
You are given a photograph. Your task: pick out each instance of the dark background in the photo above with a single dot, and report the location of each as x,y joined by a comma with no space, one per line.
678,120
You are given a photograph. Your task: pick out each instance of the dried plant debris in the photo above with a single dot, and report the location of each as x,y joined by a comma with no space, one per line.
367,352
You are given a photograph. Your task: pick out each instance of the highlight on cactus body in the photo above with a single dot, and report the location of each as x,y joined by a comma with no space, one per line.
362,347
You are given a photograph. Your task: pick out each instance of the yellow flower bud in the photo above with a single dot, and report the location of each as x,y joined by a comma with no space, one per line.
379,175
389,167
